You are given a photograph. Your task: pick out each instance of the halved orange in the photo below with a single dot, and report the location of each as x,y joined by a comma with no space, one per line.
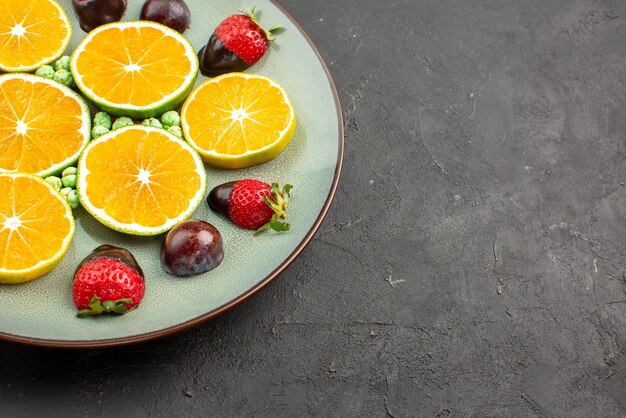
32,33
238,120
43,125
36,227
140,180
136,69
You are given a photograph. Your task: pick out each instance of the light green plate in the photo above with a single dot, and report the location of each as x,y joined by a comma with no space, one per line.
42,312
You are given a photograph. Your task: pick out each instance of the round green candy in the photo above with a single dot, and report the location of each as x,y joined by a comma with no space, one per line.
154,122
98,130
171,118
69,181
62,63
73,199
46,71
122,122
64,77
65,192
69,171
55,182
175,130
103,119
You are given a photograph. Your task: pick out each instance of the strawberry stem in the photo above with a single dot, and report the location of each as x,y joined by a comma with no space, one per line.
269,33
278,201
108,306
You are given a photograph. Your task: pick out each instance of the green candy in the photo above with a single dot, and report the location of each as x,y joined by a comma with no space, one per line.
68,177
69,171
73,199
175,130
46,71
98,130
64,77
171,118
103,119
65,192
122,122
62,63
69,181
71,196
154,122
55,182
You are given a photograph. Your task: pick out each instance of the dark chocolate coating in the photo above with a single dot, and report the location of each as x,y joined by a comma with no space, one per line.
192,248
216,59
219,198
172,13
94,13
116,253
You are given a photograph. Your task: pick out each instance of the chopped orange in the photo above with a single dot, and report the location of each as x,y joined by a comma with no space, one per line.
140,180
238,120
32,33
137,69
43,125
36,227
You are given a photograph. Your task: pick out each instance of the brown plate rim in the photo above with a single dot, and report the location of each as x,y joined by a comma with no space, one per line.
252,291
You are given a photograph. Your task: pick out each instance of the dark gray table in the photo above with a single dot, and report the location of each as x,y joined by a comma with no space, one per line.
472,263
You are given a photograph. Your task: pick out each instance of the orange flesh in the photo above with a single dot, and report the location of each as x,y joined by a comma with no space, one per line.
106,64
210,115
114,179
30,31
39,126
43,227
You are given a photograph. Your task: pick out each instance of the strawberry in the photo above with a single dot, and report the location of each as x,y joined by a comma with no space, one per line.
237,43
252,204
108,280
94,13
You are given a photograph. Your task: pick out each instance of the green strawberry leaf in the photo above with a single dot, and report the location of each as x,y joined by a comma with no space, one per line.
108,306
278,202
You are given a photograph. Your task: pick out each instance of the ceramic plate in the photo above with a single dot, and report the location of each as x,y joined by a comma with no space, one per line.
42,312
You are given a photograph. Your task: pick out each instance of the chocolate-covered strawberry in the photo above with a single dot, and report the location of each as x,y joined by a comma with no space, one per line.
109,280
94,13
252,204
237,43
172,13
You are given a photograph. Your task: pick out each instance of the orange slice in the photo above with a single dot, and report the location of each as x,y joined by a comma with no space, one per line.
136,69
238,120
36,227
32,33
140,180
43,125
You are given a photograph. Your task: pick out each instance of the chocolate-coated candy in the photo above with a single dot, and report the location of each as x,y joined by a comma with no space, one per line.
94,13
192,248
172,13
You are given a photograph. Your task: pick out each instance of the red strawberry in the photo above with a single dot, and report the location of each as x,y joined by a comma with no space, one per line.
252,204
108,280
237,43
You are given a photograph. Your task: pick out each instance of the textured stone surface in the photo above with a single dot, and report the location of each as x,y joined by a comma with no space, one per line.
472,262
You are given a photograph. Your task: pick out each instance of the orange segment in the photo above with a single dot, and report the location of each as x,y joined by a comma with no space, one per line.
137,69
36,228
140,180
238,120
32,33
43,125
